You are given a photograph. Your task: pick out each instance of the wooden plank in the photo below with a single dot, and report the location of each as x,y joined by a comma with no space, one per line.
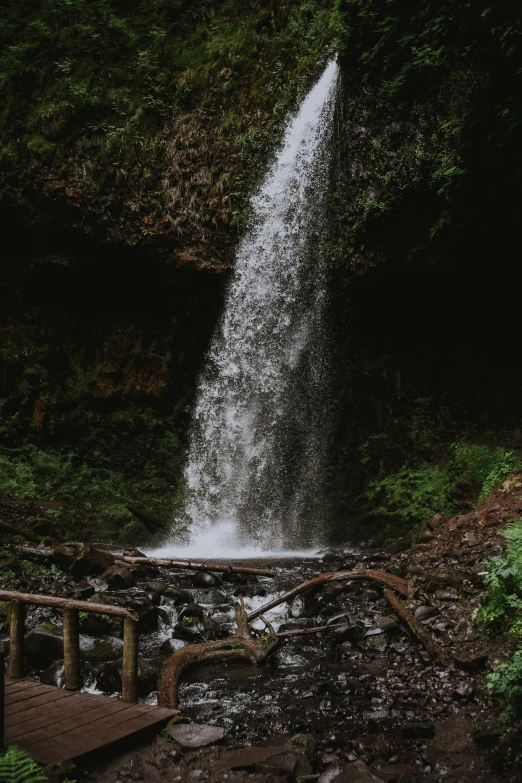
12,686
78,742
62,726
50,712
28,693
26,706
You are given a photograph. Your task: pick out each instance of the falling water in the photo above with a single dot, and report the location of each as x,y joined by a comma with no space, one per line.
258,431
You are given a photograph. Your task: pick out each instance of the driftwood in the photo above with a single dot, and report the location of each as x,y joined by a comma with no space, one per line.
389,580
62,603
242,646
424,637
151,522
168,563
305,631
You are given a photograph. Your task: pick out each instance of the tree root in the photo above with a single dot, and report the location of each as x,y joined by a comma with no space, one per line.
389,580
242,646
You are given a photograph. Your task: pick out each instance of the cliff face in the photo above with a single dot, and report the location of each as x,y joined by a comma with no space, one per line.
145,125
131,138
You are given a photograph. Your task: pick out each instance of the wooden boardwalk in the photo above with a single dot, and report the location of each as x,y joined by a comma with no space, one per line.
55,725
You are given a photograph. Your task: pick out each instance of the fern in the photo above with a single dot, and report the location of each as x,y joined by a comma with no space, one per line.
17,767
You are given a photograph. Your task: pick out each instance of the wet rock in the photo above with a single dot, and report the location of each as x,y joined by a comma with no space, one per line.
375,643
389,625
83,591
214,597
147,613
43,645
119,577
297,608
295,625
338,618
246,758
90,562
108,678
191,611
108,648
134,553
189,630
356,772
54,675
426,612
177,595
100,625
289,762
331,773
98,585
196,735
171,646
205,579
465,690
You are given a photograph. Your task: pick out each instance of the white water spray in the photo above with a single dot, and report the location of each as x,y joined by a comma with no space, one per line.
258,430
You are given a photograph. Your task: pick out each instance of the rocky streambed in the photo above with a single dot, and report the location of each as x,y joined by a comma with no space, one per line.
363,699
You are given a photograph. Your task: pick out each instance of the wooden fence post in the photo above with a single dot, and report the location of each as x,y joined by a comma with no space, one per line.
2,687
71,648
129,677
16,640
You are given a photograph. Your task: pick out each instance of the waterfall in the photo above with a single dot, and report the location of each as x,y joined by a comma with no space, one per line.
258,430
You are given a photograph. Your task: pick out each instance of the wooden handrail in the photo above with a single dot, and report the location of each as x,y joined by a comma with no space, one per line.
71,638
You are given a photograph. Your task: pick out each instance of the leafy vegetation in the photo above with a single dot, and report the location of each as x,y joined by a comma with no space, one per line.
172,101
17,767
409,498
501,613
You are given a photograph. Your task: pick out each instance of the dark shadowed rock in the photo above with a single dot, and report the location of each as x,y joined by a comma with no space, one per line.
139,603
426,612
54,675
191,610
196,735
108,678
119,577
472,664
108,648
43,645
418,731
290,762
90,562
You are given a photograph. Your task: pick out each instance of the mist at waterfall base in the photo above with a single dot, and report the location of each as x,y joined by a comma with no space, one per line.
253,481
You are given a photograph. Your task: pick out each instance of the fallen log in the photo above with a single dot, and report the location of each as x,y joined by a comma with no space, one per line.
239,647
389,580
168,563
418,630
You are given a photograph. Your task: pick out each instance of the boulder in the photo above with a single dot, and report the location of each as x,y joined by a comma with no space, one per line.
196,735
108,677
118,577
205,579
191,610
43,645
90,562
138,602
109,648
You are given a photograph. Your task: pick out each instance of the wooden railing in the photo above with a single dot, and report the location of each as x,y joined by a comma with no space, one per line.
71,641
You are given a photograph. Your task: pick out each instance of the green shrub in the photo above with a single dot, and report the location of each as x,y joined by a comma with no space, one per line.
501,612
488,467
